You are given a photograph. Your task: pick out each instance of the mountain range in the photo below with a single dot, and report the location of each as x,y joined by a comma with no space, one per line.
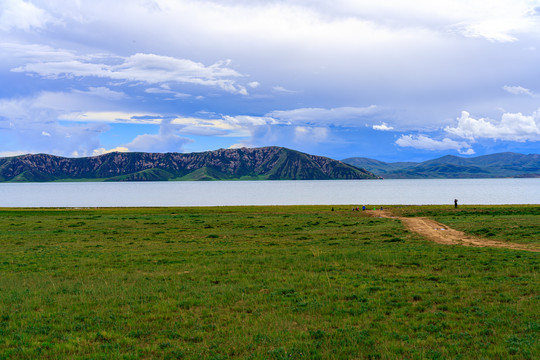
267,163
499,165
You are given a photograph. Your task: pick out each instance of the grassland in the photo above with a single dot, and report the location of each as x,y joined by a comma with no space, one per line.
264,283
517,224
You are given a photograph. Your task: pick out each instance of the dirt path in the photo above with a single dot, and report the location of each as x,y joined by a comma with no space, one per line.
443,234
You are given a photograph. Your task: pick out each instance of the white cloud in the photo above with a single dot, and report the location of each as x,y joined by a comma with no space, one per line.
103,92
166,90
426,143
102,151
469,151
167,140
112,117
240,145
322,53
158,143
382,127
495,30
511,127
496,20
12,153
19,14
314,123
310,134
33,52
518,90
281,89
62,102
32,128
237,126
147,68
341,116
305,122
246,120
223,126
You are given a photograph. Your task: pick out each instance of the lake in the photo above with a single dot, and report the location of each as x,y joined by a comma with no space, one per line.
224,193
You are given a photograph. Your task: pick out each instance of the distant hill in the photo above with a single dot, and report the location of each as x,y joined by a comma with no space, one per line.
488,166
268,163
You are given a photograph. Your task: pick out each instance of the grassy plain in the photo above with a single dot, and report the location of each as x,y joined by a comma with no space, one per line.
264,283
517,224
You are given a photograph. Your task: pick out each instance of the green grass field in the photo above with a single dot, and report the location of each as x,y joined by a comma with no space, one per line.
300,282
517,224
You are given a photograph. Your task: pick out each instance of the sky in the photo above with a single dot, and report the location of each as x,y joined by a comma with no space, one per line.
389,79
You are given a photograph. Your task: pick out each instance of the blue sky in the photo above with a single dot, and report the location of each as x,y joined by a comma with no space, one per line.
392,80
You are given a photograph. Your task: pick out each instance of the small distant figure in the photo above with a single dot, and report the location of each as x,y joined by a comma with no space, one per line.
382,208
364,208
455,203
332,209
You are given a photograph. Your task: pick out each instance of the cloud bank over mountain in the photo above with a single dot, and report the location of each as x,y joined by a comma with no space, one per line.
388,79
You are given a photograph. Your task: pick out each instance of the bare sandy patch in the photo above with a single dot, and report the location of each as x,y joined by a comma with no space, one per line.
443,234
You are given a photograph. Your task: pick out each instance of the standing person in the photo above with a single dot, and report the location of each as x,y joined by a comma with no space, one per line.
455,203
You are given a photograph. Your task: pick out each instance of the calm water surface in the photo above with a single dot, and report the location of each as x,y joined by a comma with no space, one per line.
222,193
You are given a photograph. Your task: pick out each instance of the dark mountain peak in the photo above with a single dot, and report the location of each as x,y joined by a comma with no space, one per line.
275,163
449,159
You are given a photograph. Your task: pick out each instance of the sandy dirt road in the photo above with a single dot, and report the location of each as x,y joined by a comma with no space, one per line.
443,234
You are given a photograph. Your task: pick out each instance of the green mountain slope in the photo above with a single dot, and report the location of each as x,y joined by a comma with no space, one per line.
271,163
487,166
378,167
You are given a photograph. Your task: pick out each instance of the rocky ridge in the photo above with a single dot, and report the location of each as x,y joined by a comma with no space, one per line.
267,163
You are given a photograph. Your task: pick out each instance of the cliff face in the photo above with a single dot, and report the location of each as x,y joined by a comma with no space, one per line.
272,163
